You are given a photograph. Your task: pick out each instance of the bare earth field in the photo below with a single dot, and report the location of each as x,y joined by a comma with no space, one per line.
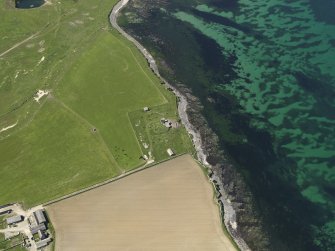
167,207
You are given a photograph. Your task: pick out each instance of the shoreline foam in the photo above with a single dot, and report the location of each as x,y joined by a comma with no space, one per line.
228,212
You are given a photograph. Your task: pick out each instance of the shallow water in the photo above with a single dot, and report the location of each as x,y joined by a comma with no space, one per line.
265,72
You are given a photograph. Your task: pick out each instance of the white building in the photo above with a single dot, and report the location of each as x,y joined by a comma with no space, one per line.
170,152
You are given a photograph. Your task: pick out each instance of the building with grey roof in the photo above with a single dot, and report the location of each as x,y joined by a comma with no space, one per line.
39,216
35,229
14,219
43,243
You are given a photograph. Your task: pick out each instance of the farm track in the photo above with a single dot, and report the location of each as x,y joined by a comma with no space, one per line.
20,43
121,176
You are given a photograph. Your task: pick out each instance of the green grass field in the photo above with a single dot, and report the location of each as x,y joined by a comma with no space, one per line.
11,244
3,223
96,79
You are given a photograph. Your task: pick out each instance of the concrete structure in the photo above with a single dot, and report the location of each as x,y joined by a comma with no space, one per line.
166,122
40,217
170,152
14,219
146,109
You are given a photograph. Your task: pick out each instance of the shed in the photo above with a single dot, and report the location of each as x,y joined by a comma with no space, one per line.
170,152
146,109
6,212
14,219
43,243
39,215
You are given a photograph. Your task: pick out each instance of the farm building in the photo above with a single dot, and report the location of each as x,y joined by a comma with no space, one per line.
43,243
35,229
14,219
39,216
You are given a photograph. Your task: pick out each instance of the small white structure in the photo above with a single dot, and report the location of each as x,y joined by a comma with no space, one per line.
40,94
146,109
170,152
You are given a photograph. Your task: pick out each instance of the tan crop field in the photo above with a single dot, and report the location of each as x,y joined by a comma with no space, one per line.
167,207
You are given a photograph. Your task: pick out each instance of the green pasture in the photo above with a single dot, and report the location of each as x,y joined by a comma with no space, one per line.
158,138
11,244
103,86
2,223
84,131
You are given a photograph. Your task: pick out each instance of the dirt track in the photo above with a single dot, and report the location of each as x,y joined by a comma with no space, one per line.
167,207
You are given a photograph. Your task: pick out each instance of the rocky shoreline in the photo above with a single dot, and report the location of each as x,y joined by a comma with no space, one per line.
216,174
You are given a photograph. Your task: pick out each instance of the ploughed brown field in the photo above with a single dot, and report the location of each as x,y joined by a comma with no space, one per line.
166,207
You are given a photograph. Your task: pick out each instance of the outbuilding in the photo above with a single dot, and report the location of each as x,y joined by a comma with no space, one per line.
39,216
43,243
6,212
14,219
146,109
170,152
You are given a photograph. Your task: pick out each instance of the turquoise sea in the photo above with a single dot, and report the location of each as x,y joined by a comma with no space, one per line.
264,71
